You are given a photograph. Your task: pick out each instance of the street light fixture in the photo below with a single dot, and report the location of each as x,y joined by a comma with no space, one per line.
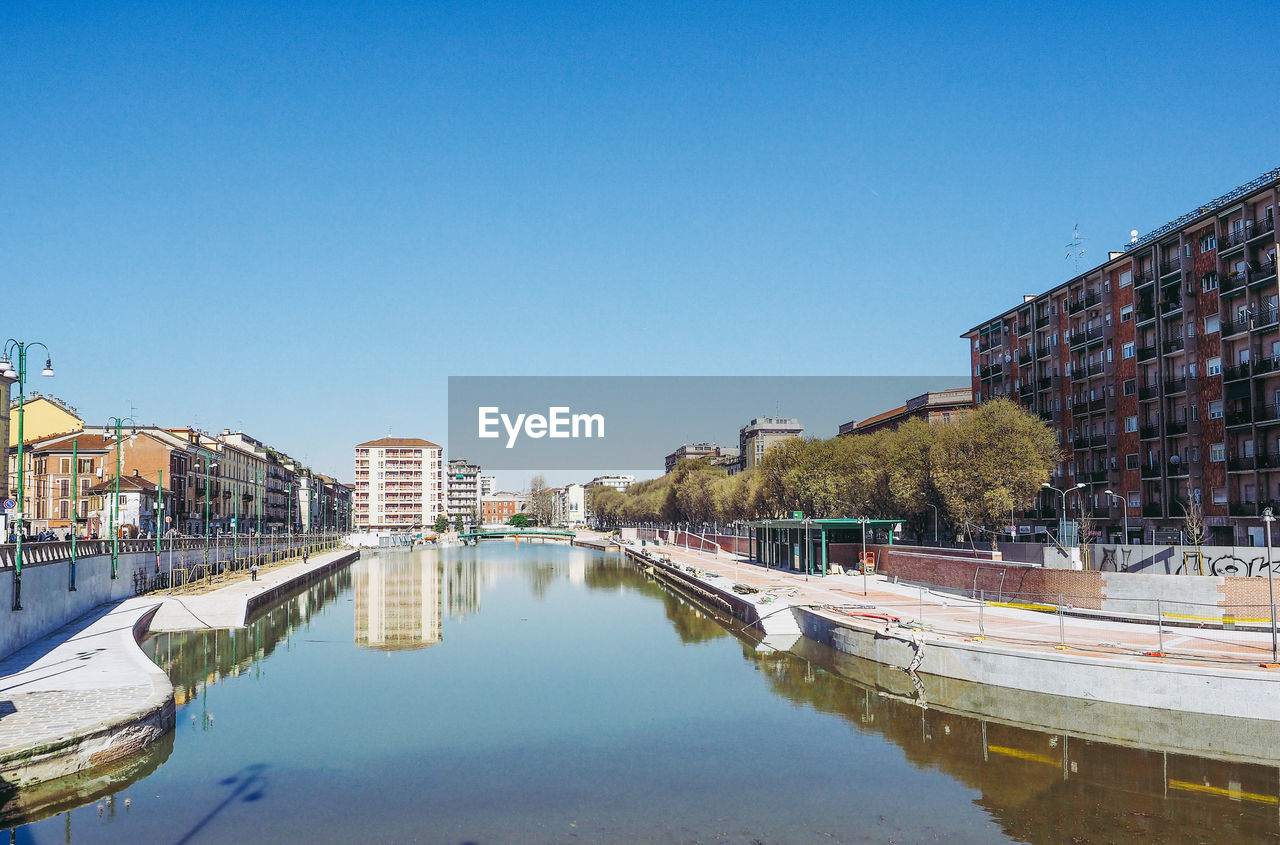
14,349
1267,518
1124,509
115,498
1063,494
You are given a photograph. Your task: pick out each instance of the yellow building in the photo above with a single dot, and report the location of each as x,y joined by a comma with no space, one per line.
43,417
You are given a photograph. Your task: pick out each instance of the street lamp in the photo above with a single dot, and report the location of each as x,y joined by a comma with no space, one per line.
1124,509
115,497
1063,494
16,350
935,524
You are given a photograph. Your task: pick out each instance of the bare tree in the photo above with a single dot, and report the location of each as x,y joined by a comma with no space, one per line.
1193,529
541,500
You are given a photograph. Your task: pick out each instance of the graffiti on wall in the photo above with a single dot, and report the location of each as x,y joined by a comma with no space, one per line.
1233,561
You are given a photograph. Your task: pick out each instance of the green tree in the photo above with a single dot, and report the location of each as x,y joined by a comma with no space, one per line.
993,459
457,523
442,524
519,521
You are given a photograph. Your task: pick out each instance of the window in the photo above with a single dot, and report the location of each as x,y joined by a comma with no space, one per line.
1131,461
1215,410
1131,424
1126,313
1217,452
1135,501
1126,278
1219,495
1207,243
1127,351
1130,386
1211,324
1209,281
1213,367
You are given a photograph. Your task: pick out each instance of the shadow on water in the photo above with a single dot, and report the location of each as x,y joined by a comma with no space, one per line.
247,786
1039,786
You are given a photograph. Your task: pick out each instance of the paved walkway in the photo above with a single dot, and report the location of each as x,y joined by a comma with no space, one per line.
86,695
227,607
955,617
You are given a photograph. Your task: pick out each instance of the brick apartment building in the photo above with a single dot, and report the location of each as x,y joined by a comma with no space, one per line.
1160,371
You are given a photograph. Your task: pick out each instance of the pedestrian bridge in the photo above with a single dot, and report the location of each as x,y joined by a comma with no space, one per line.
543,534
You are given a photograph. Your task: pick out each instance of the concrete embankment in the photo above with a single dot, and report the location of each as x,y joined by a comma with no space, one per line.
1078,660
86,697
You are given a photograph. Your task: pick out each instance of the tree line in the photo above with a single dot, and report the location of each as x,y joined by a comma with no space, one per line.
974,470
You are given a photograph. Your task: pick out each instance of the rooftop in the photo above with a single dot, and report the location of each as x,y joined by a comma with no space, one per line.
399,443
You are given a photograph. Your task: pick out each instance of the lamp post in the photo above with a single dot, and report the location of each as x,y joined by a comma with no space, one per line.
864,522
1124,510
288,520
14,349
1267,518
115,497
1063,494
935,524
258,544
75,512
208,465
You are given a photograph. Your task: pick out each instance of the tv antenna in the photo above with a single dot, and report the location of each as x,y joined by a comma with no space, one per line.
1075,249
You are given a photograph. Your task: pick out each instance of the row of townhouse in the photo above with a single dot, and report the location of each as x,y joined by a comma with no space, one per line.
151,479
1160,371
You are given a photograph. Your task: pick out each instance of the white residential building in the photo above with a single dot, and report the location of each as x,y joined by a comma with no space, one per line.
569,505
462,484
399,484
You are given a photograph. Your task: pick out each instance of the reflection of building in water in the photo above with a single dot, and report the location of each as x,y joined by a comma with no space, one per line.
398,601
462,588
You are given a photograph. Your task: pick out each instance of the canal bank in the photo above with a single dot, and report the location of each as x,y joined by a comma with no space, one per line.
1072,660
86,696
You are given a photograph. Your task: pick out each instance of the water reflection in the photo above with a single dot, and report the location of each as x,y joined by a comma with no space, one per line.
195,659
398,601
1039,786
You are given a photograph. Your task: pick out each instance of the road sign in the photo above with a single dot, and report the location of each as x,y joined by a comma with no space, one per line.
797,514
233,522
10,504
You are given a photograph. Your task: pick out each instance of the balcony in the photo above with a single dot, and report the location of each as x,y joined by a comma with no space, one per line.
1044,383
1236,373
1153,510
1170,267
1242,464
1260,271
1175,385
1089,300
1170,307
1042,322
1238,417
1175,345
1148,391
1144,312
1149,432
1026,389
1025,356
1258,228
1141,277
1266,318
1179,470
1099,440
1146,353
1243,508
1231,283
1175,427
1024,329
1093,477
1266,413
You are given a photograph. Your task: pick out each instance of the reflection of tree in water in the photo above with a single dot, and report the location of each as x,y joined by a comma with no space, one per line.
1050,788
692,624
196,658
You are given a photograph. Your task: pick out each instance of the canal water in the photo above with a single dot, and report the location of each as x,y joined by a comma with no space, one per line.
549,694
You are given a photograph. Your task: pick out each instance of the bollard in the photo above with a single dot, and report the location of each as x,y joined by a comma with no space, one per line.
1160,624
1062,624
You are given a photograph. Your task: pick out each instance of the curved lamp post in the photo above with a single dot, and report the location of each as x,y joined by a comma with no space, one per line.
1124,509
16,350
115,497
1063,494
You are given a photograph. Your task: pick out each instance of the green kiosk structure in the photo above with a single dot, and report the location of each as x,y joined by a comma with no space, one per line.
803,544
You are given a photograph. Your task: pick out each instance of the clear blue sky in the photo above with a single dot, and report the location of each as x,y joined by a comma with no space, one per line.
299,219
